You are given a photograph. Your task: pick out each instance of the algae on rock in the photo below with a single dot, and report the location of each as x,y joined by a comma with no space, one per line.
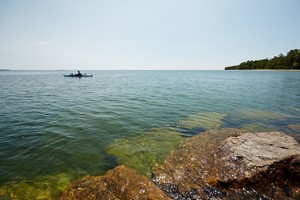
47,187
208,120
143,151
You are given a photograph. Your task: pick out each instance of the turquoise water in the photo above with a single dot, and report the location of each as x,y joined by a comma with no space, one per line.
50,124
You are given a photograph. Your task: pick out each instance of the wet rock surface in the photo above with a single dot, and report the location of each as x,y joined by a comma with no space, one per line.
119,183
229,164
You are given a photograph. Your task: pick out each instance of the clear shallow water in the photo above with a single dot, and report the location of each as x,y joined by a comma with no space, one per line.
50,124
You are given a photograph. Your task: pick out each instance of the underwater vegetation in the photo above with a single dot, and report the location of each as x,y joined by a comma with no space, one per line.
206,120
261,115
143,151
47,187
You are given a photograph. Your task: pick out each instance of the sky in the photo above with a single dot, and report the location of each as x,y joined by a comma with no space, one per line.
144,34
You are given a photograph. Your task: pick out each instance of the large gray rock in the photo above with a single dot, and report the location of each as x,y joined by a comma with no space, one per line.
233,165
252,153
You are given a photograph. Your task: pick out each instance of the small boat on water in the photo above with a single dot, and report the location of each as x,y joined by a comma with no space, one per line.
78,75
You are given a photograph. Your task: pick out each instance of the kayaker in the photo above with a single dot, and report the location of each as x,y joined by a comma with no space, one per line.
79,74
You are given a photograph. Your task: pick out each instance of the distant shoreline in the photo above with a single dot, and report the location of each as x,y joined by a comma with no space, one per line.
280,70
290,61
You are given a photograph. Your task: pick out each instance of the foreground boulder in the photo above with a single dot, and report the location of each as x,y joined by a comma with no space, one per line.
119,183
228,164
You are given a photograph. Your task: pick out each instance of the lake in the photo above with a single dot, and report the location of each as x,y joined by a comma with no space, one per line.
55,129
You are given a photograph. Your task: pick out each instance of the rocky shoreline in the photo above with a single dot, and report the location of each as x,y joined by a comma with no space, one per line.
216,164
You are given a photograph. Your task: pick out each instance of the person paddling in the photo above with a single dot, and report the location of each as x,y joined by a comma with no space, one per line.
78,73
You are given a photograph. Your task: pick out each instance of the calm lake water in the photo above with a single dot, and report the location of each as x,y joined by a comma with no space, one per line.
54,126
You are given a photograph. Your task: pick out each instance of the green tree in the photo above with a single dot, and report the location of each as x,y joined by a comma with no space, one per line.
290,61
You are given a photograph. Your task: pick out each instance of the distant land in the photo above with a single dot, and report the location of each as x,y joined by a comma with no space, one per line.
4,69
290,61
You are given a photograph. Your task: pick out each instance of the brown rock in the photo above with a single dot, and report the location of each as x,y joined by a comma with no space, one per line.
185,172
252,165
119,183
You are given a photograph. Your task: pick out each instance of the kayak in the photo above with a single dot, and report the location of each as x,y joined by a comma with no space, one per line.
85,75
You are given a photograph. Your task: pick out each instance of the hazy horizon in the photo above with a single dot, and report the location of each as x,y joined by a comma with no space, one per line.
144,35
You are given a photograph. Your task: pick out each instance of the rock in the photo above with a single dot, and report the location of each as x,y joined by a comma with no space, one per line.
143,151
206,120
260,115
257,127
295,127
232,165
251,155
45,187
119,183
185,172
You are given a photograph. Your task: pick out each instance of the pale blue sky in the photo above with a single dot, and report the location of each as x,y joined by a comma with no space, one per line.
144,34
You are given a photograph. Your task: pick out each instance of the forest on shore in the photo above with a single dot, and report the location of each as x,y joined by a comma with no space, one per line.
290,61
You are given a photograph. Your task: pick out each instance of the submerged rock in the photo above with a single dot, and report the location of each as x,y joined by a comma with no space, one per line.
143,151
295,127
257,127
47,187
206,120
119,183
232,165
293,130
260,115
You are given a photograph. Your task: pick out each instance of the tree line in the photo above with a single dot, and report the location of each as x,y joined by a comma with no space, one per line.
290,61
